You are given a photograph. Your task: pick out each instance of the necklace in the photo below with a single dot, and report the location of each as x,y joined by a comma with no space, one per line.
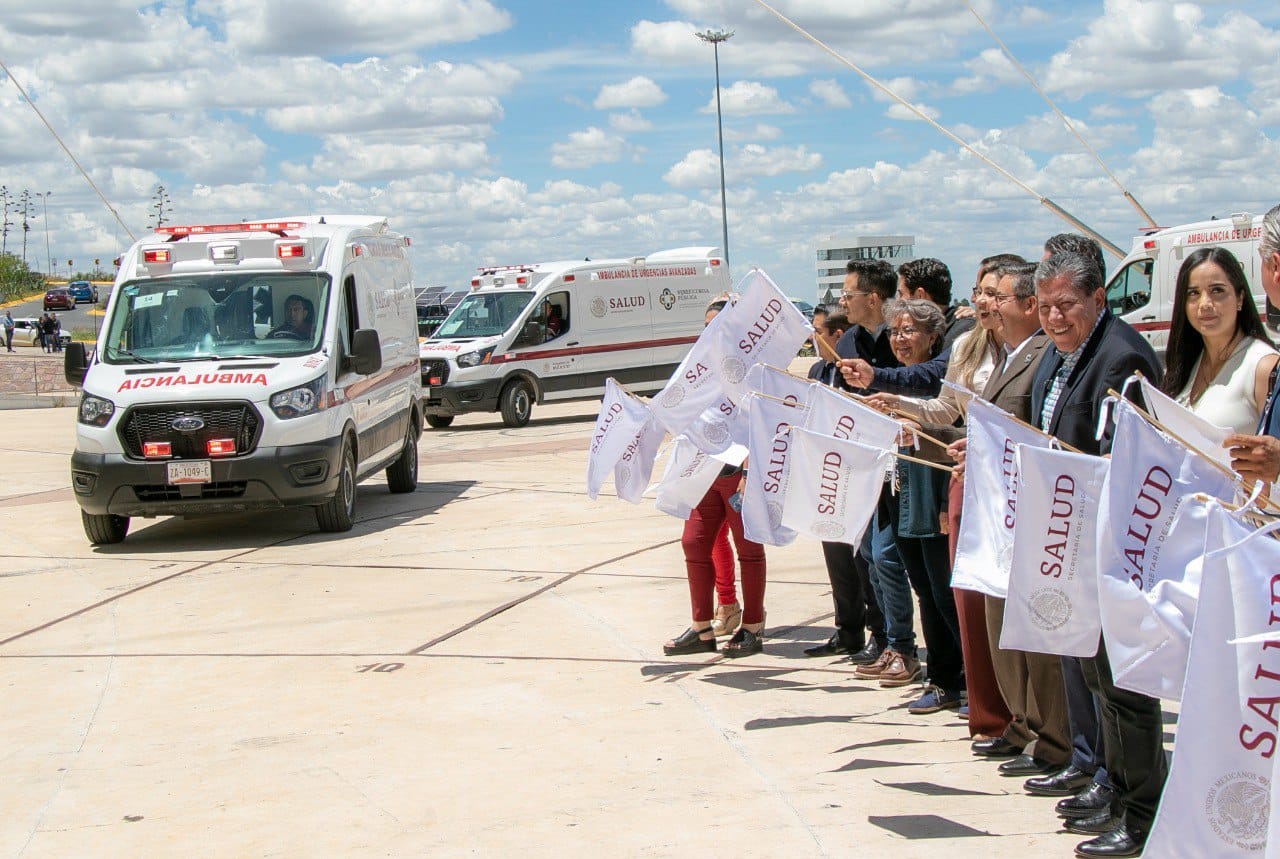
1209,370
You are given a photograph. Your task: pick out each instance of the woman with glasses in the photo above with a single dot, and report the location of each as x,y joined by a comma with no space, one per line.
916,329
1219,360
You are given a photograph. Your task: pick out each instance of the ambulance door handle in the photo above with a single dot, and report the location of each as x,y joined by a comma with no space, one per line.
1146,318
572,343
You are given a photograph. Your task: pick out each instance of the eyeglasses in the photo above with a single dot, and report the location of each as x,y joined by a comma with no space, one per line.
1000,298
908,331
846,296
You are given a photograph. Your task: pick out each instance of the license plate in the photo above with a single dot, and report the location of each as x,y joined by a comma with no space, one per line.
189,472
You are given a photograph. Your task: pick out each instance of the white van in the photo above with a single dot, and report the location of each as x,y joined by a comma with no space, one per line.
1142,288
249,366
556,331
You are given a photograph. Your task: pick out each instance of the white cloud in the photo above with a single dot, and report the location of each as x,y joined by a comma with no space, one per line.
759,132
987,71
588,148
748,98
629,122
301,27
1143,46
697,169
754,160
358,159
829,93
901,111
640,91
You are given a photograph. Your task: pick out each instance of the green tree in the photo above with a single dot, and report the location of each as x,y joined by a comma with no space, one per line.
16,280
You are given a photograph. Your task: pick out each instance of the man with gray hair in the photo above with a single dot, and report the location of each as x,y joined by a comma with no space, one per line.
1094,352
1257,457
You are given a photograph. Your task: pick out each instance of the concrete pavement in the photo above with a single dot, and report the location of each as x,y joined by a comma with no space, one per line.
475,669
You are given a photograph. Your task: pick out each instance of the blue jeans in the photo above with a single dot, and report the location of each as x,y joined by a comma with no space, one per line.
889,581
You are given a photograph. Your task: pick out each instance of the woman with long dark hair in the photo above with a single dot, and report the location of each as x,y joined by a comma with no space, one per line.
1219,358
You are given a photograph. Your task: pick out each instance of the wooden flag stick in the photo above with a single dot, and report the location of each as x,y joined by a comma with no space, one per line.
786,373
824,348
938,465
791,403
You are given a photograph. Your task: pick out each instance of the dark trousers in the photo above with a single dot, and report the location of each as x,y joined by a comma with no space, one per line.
929,571
1133,737
1031,685
1084,720
855,603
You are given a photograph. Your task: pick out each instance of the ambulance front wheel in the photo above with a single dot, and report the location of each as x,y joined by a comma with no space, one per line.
105,528
516,403
338,513
439,421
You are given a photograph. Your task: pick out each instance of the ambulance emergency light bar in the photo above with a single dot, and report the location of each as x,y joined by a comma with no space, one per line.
278,227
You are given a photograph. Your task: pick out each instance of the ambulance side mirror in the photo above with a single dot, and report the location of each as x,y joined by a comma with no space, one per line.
75,363
366,352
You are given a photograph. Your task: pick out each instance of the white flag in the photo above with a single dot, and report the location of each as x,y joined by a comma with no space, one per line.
1153,638
1197,432
689,474
832,413
1217,801
713,431
1150,476
761,326
635,466
984,546
768,379
832,486
768,470
621,420
1052,606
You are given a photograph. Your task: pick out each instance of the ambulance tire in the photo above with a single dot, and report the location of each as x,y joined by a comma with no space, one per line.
516,403
337,514
402,475
104,528
439,421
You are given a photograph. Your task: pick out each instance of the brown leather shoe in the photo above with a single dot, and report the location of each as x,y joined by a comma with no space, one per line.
873,670
902,670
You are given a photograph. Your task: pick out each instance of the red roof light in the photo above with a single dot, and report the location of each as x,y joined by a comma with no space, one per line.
250,227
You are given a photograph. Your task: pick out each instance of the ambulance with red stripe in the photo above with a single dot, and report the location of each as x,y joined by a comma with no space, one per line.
249,366
555,331
1141,289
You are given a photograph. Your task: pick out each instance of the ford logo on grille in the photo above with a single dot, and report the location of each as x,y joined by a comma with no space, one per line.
187,424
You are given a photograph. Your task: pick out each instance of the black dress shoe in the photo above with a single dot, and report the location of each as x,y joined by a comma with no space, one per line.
1096,824
1120,841
1026,765
1089,801
690,641
868,654
1066,782
996,747
830,647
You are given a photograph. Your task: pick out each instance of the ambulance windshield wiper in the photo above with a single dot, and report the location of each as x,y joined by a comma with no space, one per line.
138,358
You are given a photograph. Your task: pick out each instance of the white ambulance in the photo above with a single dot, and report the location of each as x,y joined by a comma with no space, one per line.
1141,289
246,367
555,331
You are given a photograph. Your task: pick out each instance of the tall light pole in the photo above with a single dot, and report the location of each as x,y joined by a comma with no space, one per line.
715,37
48,256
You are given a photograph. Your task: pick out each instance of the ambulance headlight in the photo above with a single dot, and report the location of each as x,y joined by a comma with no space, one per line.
299,401
475,359
96,411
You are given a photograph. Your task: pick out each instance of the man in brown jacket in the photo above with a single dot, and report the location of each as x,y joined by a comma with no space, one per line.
1037,739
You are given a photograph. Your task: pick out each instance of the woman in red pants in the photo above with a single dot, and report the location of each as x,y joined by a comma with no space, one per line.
718,506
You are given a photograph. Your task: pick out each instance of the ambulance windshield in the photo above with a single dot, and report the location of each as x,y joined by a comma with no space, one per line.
484,314
213,317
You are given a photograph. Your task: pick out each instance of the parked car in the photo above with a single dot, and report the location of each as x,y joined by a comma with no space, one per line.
83,290
59,298
26,332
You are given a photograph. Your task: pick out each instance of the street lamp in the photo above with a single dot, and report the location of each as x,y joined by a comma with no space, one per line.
48,256
715,37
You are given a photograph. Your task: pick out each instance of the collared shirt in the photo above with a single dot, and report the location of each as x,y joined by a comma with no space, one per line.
1012,352
1060,378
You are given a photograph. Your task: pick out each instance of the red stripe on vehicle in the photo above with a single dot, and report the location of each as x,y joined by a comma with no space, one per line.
508,357
387,377
1150,326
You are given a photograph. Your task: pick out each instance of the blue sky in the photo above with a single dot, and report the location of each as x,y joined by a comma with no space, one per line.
499,132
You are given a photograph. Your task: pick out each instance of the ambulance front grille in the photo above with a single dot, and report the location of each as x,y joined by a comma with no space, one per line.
435,372
155,423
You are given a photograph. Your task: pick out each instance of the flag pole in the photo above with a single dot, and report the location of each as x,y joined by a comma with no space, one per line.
938,465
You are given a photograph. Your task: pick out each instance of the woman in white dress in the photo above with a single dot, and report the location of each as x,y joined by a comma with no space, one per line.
1219,358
